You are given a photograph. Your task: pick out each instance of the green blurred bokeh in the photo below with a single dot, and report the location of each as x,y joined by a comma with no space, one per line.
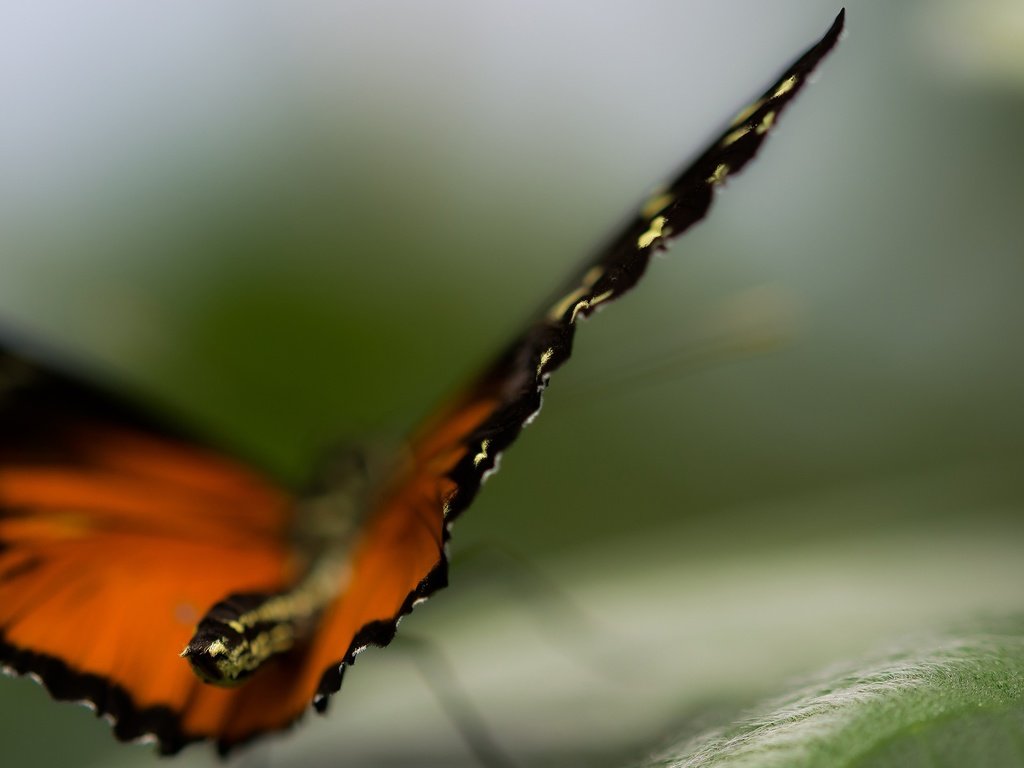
294,227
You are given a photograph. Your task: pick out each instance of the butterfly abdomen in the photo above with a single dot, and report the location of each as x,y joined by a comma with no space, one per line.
239,634
244,631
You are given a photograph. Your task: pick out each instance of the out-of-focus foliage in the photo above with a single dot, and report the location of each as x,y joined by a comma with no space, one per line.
949,701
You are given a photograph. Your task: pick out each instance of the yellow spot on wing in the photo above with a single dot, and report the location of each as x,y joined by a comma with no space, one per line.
545,356
747,111
720,172
447,506
735,136
785,87
766,124
562,306
653,232
588,303
482,454
578,308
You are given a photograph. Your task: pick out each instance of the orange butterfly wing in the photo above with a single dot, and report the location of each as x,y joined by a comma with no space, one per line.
113,543
115,536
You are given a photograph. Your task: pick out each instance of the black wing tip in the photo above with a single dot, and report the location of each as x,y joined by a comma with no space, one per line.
837,28
813,55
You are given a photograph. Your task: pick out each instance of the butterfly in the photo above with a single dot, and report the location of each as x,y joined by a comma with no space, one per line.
187,598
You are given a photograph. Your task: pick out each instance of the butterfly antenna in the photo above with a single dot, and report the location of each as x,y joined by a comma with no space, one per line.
456,704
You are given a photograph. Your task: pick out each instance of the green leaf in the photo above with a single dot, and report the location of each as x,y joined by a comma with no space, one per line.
953,700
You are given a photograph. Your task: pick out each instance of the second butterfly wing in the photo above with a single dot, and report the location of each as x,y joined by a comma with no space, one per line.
454,452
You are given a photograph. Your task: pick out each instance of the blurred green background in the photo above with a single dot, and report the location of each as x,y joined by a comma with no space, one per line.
803,434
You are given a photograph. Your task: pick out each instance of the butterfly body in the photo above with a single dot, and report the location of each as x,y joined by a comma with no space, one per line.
125,544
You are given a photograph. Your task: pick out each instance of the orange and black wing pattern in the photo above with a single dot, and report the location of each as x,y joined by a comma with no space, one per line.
115,537
123,543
